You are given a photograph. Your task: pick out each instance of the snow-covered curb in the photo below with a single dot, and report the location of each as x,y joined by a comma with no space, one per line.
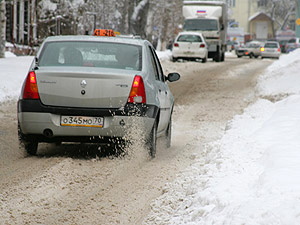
250,176
13,73
164,55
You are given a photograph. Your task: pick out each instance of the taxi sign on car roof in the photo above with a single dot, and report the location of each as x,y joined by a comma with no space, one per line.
104,32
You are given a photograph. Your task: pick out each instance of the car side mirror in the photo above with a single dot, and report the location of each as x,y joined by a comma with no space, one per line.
173,77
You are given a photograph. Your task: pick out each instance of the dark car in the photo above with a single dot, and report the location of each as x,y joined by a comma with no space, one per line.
282,44
292,44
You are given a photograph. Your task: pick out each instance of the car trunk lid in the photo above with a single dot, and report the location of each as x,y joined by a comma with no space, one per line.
98,88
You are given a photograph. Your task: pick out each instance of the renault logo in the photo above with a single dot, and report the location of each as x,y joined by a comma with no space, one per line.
83,83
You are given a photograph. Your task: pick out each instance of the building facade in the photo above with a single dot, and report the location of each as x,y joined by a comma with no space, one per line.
244,14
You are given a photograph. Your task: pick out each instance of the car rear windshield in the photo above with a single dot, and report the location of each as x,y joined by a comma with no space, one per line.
189,38
271,45
91,54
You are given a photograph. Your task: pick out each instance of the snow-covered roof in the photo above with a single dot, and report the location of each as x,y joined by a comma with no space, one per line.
259,14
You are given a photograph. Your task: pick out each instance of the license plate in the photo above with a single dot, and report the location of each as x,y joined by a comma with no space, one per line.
188,53
81,121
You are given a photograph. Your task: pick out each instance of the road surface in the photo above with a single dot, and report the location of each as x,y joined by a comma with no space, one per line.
73,184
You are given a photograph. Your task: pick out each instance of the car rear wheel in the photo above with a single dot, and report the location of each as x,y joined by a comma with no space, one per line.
174,59
218,56
118,148
29,146
169,133
204,60
223,57
151,141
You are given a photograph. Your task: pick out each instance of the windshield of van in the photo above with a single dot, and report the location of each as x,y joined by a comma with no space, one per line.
200,24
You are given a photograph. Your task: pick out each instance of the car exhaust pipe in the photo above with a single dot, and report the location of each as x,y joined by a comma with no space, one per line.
48,133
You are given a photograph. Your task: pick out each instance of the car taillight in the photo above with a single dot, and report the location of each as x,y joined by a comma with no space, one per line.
176,45
262,49
137,92
31,89
202,46
278,50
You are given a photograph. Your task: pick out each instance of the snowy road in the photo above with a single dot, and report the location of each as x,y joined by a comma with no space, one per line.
70,185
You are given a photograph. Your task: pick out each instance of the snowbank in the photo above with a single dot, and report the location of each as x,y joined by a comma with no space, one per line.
164,55
9,54
13,72
281,77
250,176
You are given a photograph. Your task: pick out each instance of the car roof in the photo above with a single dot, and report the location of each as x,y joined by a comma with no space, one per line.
125,40
255,42
271,42
190,33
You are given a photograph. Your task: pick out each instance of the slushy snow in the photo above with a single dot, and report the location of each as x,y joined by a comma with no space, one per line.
250,176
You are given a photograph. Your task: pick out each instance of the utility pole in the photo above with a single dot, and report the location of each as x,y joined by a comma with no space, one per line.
298,18
2,28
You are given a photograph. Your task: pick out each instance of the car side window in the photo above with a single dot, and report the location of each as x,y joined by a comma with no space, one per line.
158,66
153,63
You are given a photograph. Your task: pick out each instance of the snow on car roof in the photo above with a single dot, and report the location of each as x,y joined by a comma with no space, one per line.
96,38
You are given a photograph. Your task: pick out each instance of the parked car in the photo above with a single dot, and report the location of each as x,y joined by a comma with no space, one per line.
271,49
292,44
94,89
251,49
190,46
241,51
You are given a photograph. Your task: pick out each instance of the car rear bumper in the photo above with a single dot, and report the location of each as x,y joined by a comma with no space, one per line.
43,123
201,53
270,54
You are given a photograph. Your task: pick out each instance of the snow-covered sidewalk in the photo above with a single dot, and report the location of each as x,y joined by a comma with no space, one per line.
13,71
252,175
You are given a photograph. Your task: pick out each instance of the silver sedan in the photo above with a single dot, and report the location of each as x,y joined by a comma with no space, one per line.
95,89
271,49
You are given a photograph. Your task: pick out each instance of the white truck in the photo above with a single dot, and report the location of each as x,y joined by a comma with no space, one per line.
210,19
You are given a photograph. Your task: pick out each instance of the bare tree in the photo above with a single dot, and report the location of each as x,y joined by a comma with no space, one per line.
280,11
154,20
139,17
2,28
167,16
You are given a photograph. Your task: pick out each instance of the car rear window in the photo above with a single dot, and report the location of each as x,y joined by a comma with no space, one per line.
271,45
292,41
92,54
189,38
